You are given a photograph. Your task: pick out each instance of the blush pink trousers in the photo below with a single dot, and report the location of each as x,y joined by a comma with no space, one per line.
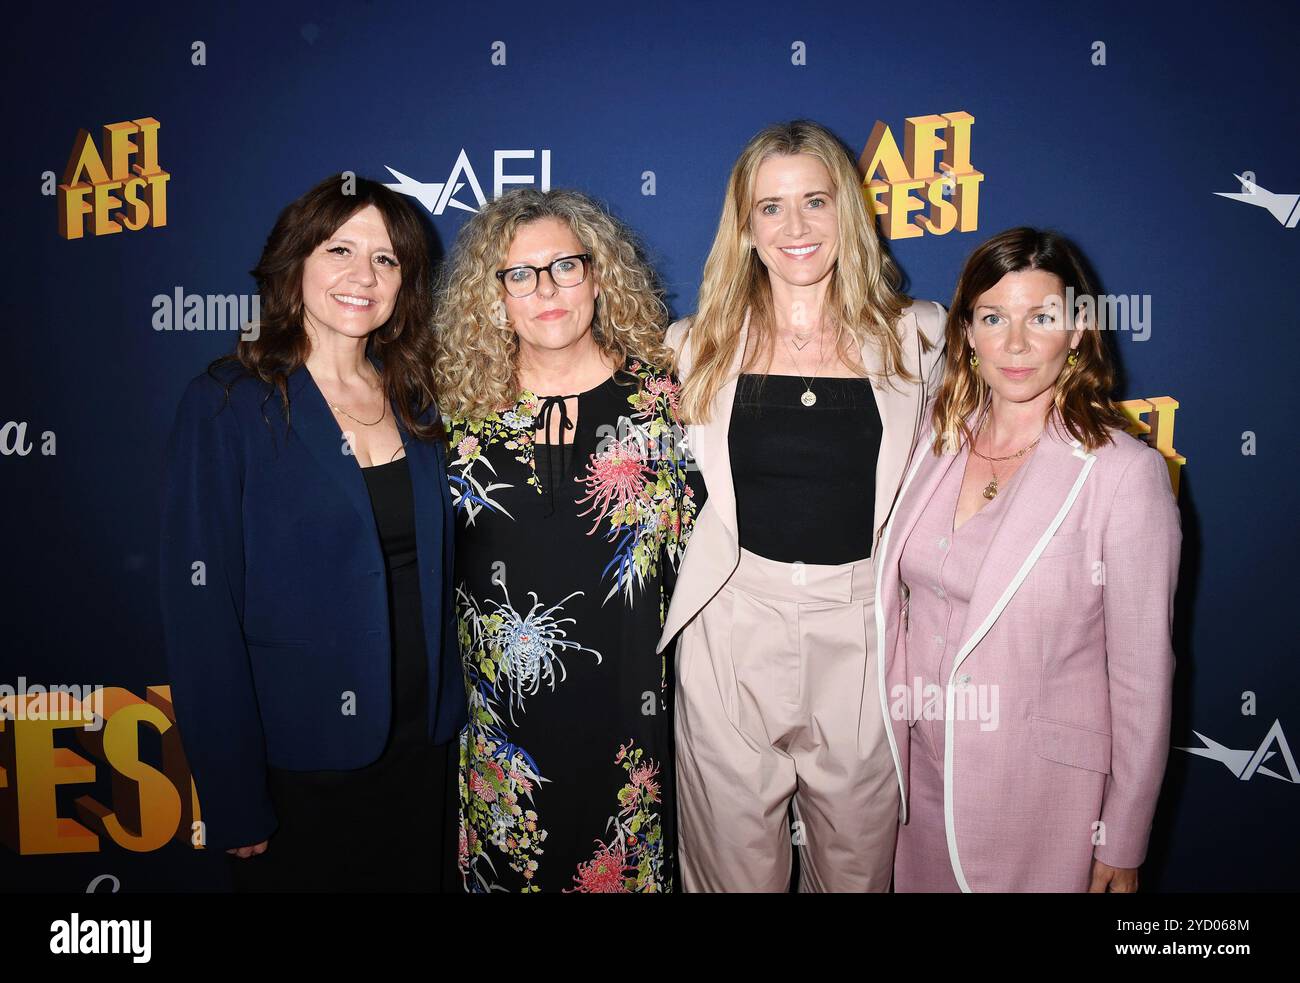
778,703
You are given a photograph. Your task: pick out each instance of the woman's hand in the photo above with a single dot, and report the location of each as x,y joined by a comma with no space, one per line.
244,852
1115,880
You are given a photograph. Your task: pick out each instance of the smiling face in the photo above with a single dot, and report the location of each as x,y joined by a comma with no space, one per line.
551,317
351,280
793,219
1020,333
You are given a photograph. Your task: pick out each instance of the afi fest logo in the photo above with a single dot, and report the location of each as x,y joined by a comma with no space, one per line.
1284,208
950,186
122,187
437,198
1249,763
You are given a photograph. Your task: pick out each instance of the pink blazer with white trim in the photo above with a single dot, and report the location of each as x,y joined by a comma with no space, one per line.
1071,622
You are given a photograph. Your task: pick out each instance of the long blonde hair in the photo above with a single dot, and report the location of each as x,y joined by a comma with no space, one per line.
864,296
476,367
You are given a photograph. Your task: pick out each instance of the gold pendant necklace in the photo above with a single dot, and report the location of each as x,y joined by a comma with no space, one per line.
809,397
991,489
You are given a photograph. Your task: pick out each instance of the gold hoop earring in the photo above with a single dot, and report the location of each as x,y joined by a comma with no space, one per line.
1073,358
974,361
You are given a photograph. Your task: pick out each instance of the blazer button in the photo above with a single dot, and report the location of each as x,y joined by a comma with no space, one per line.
963,679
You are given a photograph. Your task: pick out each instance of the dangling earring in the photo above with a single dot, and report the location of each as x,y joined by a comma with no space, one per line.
1073,357
974,360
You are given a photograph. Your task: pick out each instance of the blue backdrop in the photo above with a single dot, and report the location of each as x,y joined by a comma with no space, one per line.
1123,156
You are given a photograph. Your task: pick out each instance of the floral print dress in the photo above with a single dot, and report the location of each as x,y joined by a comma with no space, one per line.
564,558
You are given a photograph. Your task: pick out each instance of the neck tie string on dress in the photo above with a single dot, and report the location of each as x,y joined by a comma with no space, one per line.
556,452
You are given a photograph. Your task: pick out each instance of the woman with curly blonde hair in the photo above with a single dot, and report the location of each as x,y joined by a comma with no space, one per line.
572,508
804,372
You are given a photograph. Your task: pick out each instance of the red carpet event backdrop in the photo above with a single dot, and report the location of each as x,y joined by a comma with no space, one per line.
154,151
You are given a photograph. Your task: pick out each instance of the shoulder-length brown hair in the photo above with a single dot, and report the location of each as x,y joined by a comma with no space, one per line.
1082,400
404,343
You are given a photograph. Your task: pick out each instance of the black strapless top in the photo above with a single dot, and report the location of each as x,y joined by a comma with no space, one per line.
805,476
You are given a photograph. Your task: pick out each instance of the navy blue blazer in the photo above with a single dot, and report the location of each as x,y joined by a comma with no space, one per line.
274,596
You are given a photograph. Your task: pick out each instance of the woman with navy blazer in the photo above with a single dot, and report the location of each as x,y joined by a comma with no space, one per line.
306,544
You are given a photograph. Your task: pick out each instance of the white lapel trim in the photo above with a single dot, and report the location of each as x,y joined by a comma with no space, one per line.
949,820
878,614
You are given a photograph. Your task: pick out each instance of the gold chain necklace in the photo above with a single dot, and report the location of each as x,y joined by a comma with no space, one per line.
341,410
991,489
809,397
384,410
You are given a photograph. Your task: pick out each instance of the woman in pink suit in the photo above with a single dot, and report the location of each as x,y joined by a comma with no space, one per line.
1026,584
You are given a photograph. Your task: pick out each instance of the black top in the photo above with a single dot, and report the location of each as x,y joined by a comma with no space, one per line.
393,501
805,476
390,825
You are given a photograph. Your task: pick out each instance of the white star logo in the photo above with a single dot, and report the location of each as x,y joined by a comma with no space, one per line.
1281,207
434,197
1246,764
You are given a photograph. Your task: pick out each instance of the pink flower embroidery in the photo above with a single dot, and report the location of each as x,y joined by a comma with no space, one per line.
615,479
481,788
663,386
522,781
604,872
467,446
642,777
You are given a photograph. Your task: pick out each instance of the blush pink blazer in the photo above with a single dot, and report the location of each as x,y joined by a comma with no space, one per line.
1071,621
714,550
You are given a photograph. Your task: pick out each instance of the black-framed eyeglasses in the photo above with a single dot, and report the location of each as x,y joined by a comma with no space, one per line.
567,271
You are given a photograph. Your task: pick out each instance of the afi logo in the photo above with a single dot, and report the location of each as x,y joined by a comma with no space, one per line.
1284,208
1246,764
438,197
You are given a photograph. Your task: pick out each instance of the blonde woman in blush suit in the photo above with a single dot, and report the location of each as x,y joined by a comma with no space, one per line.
1026,598
804,375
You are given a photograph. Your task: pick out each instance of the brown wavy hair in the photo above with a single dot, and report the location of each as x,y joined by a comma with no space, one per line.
476,369
1082,400
403,343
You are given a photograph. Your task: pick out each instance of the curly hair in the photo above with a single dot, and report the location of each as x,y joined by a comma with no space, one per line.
476,366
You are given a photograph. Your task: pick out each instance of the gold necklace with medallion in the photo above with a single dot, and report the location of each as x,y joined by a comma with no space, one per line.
991,489
809,397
